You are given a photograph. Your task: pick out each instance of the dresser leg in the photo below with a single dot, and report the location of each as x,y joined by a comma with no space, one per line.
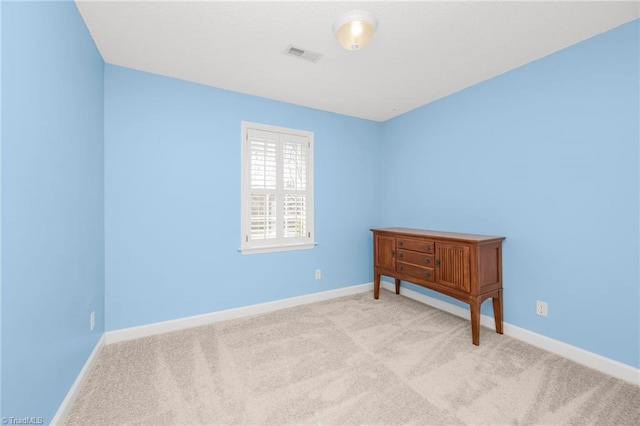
497,312
397,286
376,285
474,307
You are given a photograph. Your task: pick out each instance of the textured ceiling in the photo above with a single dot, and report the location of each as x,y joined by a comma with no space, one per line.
422,51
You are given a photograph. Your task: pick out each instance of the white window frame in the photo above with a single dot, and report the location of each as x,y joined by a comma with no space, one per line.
279,243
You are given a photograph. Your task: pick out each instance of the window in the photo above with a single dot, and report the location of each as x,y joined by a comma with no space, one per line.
277,189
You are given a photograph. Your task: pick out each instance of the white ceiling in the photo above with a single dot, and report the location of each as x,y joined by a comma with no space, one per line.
422,51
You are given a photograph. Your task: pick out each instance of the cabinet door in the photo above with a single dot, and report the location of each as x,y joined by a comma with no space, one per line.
384,254
452,265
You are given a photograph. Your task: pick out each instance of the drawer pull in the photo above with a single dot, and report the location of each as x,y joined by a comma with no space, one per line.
428,247
400,243
401,267
427,261
427,274
401,255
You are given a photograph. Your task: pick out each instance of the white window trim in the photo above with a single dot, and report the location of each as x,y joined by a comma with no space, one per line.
247,246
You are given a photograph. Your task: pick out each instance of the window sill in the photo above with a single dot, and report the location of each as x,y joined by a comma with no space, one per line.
273,249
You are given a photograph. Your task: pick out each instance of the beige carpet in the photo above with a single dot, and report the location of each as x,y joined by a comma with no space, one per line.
351,360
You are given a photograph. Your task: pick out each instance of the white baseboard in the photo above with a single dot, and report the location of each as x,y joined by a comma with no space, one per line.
204,319
581,356
67,403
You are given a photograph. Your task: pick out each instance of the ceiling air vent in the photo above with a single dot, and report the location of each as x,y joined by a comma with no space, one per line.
307,55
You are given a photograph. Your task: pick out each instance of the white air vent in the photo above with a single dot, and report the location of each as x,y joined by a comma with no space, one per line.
307,55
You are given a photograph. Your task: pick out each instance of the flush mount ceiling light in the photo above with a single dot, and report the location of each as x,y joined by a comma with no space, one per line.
355,29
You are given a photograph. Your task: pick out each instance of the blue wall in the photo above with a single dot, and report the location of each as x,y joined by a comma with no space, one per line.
546,155
52,203
147,187
172,209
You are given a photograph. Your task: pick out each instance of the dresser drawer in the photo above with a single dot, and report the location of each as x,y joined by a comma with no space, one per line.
417,272
416,245
417,258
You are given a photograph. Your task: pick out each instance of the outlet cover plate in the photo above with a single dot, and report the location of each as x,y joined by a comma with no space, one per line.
541,308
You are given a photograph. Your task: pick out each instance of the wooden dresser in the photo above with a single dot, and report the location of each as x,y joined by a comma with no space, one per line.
467,267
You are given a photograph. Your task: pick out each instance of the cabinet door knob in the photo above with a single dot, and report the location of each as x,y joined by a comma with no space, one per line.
393,253
437,262
427,274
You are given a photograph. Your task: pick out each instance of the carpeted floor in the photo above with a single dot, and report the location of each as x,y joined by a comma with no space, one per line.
352,360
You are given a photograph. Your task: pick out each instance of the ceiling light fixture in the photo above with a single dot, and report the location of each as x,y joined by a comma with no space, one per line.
355,29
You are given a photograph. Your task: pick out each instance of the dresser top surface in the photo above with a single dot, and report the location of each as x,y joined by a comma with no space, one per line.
411,232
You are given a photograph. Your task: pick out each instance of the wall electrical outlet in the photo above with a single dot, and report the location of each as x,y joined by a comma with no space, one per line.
92,320
318,274
541,308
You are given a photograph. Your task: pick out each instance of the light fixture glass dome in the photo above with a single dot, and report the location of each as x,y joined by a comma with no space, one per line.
355,29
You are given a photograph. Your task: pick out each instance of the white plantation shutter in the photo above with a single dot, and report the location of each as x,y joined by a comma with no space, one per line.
294,174
263,217
277,195
262,169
